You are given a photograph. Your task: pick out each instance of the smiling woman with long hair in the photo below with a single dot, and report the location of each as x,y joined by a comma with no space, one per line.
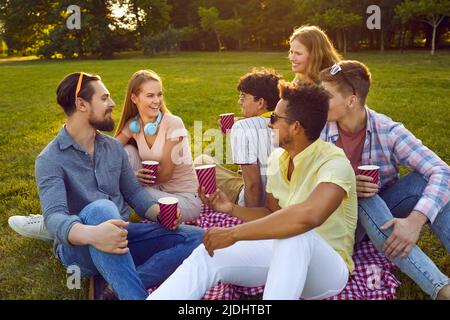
310,52
149,131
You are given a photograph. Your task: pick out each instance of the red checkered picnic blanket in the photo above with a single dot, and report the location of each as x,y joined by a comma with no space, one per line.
372,278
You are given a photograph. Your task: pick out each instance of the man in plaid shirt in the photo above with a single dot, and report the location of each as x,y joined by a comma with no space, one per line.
393,212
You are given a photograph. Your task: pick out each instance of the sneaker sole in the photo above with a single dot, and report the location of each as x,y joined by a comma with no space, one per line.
27,235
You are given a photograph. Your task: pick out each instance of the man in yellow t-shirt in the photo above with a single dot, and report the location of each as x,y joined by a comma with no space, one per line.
300,244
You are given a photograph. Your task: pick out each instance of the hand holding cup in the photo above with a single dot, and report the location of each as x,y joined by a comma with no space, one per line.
226,121
169,215
367,181
147,175
217,201
206,175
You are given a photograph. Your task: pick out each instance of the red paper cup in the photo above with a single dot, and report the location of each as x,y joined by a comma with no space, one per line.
151,165
370,171
168,211
226,121
206,175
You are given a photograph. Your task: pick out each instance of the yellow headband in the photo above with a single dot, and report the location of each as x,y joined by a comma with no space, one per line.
80,81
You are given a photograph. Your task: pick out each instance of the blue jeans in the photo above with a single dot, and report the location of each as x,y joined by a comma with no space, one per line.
155,253
398,201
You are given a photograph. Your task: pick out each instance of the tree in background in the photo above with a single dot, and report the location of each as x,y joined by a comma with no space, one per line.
250,24
390,25
278,22
146,17
182,16
95,36
222,28
3,47
431,12
336,19
388,22
229,29
208,22
25,24
168,40
108,26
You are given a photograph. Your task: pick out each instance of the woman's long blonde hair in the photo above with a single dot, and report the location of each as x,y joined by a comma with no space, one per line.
129,109
322,53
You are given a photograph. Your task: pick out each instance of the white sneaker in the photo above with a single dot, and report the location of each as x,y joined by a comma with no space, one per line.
31,226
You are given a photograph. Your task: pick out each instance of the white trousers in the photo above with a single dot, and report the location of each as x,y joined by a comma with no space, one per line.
189,202
303,266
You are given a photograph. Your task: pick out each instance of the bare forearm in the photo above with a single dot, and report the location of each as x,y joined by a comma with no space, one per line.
294,219
81,235
152,212
253,185
249,214
164,173
418,217
253,197
283,223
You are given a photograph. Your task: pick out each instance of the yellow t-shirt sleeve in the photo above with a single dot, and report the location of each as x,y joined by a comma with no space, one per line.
338,171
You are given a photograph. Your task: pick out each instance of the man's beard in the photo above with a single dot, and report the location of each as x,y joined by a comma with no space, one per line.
278,142
106,124
284,142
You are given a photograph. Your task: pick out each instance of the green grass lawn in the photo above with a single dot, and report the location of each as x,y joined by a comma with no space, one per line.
412,88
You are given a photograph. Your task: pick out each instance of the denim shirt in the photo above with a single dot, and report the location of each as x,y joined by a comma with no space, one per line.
68,179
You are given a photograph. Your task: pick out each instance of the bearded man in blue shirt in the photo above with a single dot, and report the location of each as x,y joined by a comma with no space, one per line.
85,183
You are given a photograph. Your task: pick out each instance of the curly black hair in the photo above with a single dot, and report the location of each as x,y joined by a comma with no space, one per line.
261,83
308,104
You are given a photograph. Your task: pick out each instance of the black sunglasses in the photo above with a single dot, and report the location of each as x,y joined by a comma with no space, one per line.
337,68
274,117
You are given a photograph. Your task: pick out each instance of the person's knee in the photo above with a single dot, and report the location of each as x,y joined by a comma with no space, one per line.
369,202
441,226
211,266
286,245
198,234
100,211
191,210
417,178
106,207
372,207
443,219
373,211
199,256
194,235
416,183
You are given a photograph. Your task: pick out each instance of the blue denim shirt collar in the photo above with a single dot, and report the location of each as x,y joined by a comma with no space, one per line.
65,141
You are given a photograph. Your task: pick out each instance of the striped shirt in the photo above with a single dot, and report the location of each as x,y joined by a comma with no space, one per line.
251,143
389,144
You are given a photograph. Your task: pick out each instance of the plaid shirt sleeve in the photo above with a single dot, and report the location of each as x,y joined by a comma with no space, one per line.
410,152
